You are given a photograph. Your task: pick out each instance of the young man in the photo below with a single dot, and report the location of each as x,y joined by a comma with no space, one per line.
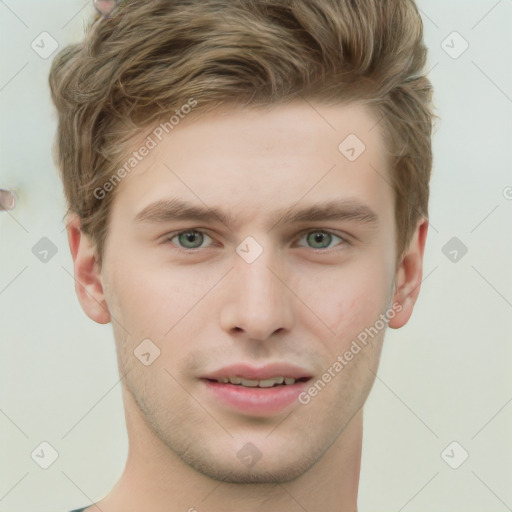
248,184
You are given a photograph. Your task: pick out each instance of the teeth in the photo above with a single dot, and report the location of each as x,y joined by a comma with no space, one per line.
248,382
264,383
268,383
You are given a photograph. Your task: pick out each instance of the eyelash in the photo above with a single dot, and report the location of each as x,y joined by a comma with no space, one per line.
343,242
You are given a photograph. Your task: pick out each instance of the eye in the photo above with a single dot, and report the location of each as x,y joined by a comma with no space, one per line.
193,239
322,239
189,239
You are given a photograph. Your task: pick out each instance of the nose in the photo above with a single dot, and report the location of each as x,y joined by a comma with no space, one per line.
258,301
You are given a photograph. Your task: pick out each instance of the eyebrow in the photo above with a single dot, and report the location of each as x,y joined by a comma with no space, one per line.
173,209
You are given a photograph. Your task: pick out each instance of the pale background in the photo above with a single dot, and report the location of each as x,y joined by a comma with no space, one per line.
445,377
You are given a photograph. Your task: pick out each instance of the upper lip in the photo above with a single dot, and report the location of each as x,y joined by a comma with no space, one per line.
247,371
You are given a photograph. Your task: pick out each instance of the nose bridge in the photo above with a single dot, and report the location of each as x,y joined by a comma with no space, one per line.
259,303
256,280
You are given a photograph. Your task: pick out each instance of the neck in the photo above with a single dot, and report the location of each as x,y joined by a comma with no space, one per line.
157,480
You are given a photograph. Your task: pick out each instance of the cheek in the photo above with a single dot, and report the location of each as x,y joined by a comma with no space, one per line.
135,296
353,298
153,298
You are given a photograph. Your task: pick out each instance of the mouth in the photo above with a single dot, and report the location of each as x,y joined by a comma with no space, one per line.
271,382
257,391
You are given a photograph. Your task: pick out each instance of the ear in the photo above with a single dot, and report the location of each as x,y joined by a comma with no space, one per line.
88,285
409,273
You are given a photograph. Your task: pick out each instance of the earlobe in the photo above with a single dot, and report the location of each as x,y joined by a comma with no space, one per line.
88,285
409,275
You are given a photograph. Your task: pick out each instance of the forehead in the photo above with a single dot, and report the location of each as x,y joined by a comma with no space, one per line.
251,161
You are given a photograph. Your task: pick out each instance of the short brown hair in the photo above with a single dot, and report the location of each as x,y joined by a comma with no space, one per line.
154,55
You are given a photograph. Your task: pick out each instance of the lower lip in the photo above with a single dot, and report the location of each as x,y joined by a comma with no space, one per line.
256,401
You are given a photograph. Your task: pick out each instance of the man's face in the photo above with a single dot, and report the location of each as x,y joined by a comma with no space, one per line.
276,296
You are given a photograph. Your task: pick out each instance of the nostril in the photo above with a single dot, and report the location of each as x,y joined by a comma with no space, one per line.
7,200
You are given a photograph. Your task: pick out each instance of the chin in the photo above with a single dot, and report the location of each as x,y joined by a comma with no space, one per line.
253,476
261,473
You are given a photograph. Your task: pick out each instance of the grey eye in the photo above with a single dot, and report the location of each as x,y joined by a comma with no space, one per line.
190,239
319,237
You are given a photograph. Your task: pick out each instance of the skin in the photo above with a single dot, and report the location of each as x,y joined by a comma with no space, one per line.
210,308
